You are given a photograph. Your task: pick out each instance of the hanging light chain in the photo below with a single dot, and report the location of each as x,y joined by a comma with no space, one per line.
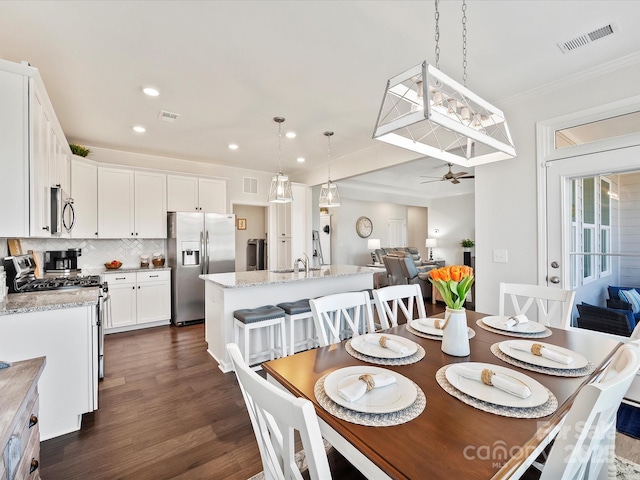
328,135
464,42
279,120
437,17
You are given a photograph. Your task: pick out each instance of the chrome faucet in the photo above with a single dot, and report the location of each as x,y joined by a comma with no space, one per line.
305,263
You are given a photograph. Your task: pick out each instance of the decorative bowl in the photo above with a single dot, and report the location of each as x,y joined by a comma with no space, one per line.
113,266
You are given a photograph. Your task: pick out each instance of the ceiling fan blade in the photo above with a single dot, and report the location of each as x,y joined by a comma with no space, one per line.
468,176
431,181
459,174
455,181
429,176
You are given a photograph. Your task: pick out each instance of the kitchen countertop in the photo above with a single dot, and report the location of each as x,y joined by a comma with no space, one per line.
48,300
133,269
266,277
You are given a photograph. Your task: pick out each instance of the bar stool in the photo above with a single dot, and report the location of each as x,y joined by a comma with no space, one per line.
294,311
267,316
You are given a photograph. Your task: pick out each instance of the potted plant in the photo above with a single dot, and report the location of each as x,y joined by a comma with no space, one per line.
467,244
79,150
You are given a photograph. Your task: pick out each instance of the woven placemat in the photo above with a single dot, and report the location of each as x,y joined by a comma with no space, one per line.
484,326
416,357
558,372
410,329
547,408
369,419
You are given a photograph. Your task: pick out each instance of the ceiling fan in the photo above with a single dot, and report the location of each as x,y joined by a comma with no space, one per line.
449,176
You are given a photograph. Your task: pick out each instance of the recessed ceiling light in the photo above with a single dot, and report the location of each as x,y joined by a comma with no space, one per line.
151,91
290,134
139,129
233,146
300,159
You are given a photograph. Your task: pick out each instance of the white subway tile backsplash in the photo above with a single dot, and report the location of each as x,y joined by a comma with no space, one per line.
95,253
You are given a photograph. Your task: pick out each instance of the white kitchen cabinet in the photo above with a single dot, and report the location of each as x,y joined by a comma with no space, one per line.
283,219
150,205
131,204
153,296
84,191
33,146
284,253
138,299
67,338
188,194
122,302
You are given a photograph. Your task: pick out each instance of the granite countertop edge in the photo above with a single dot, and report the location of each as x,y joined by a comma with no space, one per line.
50,300
235,280
132,269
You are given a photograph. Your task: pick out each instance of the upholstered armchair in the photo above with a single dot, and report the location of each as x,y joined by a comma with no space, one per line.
402,270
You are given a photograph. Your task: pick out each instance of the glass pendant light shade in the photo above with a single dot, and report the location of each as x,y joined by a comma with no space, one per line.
329,195
280,190
426,111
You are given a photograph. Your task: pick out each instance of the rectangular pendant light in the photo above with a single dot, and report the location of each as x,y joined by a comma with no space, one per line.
280,190
426,111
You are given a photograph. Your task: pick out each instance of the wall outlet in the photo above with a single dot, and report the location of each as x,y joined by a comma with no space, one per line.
499,256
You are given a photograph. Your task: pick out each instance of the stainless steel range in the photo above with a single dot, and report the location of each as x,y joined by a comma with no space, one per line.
20,270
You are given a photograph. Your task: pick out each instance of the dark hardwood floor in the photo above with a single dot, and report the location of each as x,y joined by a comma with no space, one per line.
165,412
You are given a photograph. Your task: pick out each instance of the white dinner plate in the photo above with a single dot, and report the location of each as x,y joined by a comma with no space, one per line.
497,322
507,348
488,393
433,330
360,345
392,398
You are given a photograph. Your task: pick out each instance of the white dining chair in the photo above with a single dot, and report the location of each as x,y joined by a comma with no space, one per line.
395,299
276,416
554,304
336,314
586,440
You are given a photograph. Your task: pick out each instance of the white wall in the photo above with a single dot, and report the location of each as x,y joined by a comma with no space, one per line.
454,218
506,195
629,193
346,246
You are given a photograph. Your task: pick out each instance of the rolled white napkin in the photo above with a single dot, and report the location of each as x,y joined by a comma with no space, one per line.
356,389
392,345
545,352
516,320
431,322
498,380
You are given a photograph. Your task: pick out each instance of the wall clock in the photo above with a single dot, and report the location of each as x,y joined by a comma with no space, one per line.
364,227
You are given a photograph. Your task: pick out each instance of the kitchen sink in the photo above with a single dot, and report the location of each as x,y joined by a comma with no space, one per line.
290,270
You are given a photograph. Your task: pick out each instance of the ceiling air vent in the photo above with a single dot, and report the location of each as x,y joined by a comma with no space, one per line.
250,185
168,116
588,38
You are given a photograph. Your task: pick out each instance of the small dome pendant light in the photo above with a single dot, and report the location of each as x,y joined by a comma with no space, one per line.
329,195
280,191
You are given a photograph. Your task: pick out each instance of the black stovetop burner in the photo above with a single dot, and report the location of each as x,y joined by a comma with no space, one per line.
59,283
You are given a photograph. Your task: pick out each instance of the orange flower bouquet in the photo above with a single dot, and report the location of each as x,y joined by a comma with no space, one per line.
453,283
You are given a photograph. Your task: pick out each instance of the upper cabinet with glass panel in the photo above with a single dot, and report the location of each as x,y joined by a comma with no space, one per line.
599,130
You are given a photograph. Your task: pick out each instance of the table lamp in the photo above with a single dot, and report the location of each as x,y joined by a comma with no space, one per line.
373,244
430,243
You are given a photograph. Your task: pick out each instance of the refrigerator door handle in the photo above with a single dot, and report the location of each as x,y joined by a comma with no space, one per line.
202,253
207,242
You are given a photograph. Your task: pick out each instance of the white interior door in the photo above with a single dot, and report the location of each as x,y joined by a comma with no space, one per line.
559,174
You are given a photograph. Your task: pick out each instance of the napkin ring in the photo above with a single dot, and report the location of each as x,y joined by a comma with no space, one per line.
368,379
437,324
515,319
383,341
486,375
536,349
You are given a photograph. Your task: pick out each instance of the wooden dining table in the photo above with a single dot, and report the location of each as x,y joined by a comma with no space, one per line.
449,439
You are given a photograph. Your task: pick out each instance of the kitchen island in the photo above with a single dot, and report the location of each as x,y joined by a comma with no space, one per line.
61,326
228,292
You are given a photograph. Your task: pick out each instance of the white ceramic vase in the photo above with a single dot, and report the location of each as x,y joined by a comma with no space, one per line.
455,337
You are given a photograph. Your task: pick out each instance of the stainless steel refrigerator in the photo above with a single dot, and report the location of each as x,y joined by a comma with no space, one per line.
198,243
